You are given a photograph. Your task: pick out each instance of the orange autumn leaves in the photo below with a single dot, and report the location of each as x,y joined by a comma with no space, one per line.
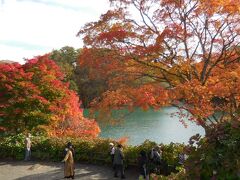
179,53
125,97
34,97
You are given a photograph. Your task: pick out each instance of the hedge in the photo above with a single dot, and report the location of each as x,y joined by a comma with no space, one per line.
93,151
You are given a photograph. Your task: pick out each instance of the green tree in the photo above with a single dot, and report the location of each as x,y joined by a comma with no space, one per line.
66,58
89,87
216,155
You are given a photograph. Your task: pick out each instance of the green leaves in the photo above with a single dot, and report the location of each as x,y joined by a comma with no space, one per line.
217,152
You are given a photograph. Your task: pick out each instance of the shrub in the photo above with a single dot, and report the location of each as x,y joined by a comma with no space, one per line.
91,151
51,149
181,175
216,155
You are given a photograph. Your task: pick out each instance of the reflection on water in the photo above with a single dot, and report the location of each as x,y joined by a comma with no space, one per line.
159,126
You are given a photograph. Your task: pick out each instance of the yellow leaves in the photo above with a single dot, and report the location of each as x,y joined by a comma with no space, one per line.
234,74
221,6
217,24
223,84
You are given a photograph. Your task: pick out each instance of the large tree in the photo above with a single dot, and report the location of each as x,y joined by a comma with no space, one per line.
34,97
183,53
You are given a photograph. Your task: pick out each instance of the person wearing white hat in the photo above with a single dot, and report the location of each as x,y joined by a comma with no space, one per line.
112,152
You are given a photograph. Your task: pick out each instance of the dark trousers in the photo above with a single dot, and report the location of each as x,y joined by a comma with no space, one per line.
119,167
112,158
27,154
143,170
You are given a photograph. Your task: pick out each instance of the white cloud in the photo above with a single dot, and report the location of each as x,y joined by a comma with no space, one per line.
18,53
49,24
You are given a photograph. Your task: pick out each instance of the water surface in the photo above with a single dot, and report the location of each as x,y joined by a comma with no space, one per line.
159,126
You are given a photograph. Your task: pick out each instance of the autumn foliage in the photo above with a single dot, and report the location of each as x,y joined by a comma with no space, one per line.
166,52
34,97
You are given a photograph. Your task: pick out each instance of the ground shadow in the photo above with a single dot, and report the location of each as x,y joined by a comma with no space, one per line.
55,171
50,175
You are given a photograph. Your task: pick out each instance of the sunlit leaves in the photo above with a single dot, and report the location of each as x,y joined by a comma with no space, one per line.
183,49
34,97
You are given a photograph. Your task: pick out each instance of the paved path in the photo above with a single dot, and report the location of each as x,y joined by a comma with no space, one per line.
20,170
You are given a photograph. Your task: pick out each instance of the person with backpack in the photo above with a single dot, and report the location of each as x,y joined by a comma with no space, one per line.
156,155
69,144
69,162
156,158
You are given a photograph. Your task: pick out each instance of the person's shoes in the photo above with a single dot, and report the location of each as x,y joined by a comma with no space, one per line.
115,176
123,177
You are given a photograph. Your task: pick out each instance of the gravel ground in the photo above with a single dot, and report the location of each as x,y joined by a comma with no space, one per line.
20,170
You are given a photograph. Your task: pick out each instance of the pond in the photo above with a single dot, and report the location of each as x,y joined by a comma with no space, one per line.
159,126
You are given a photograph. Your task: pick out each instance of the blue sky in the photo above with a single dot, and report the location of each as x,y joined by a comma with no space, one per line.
34,27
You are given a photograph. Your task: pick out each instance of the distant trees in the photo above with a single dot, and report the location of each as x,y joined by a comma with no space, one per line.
66,59
34,97
80,77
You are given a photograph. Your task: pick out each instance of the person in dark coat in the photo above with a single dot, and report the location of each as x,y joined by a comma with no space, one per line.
142,164
157,155
118,162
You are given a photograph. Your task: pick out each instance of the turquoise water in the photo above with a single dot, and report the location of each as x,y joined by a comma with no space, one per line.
159,126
